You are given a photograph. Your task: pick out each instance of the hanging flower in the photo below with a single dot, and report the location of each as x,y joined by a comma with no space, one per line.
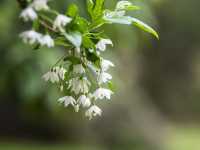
78,85
93,111
84,101
28,14
67,100
101,45
51,76
47,41
105,64
61,72
30,37
78,69
40,5
61,21
104,77
81,70
102,93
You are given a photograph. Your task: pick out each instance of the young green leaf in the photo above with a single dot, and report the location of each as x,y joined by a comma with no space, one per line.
116,17
144,26
87,42
72,10
98,9
90,6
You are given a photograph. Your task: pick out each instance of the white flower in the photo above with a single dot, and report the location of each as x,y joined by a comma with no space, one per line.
101,45
30,37
105,64
104,77
28,14
67,100
84,101
61,21
46,40
93,111
51,76
78,85
40,5
61,72
100,93
79,69
121,5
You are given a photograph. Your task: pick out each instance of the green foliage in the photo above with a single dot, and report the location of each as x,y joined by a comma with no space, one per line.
72,10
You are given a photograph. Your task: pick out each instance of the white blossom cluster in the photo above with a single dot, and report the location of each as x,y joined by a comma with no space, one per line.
81,94
81,74
79,90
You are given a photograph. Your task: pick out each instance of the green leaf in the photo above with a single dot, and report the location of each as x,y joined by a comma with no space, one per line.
74,37
98,9
72,10
87,42
118,19
90,6
80,24
93,57
36,25
111,86
144,26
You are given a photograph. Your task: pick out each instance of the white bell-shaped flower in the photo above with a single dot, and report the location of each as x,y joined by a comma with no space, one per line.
101,45
61,72
51,76
104,77
102,93
78,85
46,40
67,100
30,37
106,64
40,5
84,101
28,14
93,111
61,21
78,69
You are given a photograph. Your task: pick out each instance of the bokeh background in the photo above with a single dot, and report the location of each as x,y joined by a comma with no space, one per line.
157,100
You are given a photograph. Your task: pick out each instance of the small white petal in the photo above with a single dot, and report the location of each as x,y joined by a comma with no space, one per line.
105,64
61,21
84,101
104,77
47,41
30,37
67,100
78,85
28,14
51,76
102,93
93,111
78,69
40,5
101,45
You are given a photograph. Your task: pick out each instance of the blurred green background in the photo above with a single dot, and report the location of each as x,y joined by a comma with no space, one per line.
157,100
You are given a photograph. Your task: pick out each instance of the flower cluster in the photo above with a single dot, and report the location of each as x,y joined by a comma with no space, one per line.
81,74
